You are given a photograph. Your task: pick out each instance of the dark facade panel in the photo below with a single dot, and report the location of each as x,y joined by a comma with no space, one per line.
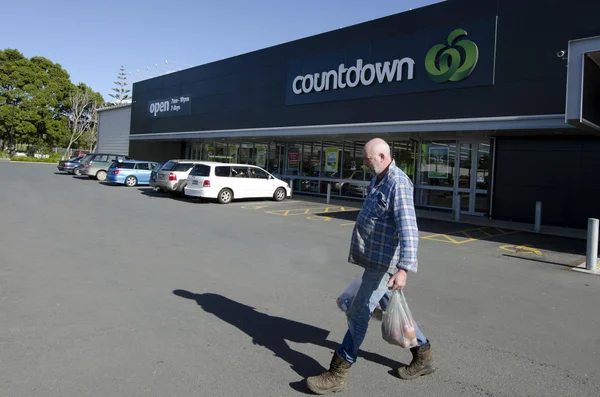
249,91
559,172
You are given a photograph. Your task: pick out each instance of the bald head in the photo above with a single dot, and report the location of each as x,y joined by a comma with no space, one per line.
377,155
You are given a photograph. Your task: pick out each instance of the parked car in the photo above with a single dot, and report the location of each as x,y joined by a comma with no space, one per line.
77,169
70,165
225,182
81,153
172,177
130,172
96,167
154,175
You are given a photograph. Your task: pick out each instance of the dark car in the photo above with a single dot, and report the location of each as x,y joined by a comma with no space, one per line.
154,175
70,165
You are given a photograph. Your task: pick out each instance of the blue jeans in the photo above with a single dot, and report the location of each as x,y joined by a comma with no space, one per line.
373,290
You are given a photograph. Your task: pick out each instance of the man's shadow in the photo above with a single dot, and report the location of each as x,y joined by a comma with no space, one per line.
272,333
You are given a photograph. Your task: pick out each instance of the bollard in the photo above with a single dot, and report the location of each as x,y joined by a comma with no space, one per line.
328,194
291,183
538,216
457,207
591,258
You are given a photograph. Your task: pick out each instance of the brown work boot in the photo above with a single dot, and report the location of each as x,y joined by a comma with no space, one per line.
332,380
421,364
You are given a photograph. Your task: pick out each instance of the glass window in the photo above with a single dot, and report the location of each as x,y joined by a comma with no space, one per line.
101,157
275,158
127,166
292,162
200,170
261,150
404,154
464,175
258,173
239,172
330,159
182,167
483,166
169,165
246,153
437,164
222,171
436,198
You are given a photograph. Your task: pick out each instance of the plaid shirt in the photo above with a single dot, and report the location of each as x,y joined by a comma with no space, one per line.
386,236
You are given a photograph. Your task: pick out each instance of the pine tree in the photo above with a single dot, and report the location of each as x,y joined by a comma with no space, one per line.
121,91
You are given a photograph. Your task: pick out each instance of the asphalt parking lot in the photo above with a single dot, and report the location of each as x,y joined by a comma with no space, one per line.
114,291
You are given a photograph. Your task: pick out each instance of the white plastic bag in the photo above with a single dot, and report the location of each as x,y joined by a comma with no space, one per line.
397,326
344,301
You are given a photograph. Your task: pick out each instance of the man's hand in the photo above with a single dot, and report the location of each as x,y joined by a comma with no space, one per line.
398,280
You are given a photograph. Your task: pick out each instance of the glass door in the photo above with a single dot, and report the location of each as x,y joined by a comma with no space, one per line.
473,177
452,169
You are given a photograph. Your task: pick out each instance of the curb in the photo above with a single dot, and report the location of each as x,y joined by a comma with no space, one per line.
581,268
30,162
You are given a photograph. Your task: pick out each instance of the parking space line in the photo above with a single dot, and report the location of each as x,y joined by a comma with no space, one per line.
307,211
468,233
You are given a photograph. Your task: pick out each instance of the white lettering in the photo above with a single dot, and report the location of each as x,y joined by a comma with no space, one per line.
386,72
327,75
308,78
159,107
341,71
411,68
363,75
319,87
356,70
297,80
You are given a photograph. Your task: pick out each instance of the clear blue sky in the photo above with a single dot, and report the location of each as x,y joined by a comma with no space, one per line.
92,39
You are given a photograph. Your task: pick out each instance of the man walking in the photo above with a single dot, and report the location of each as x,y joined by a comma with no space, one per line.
384,242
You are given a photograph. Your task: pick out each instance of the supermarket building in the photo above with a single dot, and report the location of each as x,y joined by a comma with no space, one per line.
497,102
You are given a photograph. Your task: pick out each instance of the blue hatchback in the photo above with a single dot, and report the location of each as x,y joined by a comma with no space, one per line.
130,172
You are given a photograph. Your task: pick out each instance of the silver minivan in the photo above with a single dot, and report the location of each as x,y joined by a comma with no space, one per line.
172,177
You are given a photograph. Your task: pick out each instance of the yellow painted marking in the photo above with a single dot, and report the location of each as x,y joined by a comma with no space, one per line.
468,237
486,233
521,249
319,218
307,211
254,207
347,224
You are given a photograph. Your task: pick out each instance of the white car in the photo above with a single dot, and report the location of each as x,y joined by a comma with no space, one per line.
226,182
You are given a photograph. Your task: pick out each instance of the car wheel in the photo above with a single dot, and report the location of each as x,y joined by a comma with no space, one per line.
225,196
279,194
101,175
131,181
76,172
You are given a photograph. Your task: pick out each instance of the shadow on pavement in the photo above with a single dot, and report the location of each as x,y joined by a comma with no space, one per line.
150,192
272,333
461,232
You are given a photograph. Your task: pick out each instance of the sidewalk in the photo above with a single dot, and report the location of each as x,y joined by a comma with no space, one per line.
464,219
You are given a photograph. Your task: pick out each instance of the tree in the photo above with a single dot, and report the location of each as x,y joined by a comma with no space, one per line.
121,91
83,115
39,90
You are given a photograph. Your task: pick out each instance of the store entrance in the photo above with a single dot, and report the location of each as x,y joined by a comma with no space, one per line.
452,169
